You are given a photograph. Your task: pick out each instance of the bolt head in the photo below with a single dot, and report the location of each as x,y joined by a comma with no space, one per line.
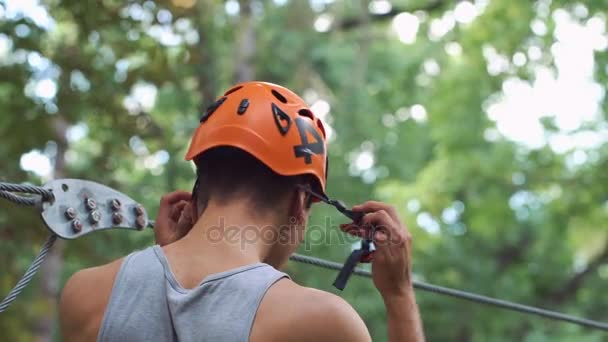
70,213
139,210
77,226
116,218
116,205
140,222
95,216
90,203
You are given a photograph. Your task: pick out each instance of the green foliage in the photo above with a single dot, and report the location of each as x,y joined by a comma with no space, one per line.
488,214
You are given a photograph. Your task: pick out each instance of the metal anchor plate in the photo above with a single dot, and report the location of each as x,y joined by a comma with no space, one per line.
81,207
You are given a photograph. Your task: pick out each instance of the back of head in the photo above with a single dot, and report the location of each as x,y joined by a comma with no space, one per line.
228,173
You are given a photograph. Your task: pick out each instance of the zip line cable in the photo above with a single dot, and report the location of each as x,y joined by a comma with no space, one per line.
6,190
46,195
29,274
503,304
27,201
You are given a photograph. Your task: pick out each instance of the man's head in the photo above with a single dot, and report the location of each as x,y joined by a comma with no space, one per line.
255,145
226,174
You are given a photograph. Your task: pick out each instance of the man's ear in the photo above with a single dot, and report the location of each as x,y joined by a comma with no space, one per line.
298,208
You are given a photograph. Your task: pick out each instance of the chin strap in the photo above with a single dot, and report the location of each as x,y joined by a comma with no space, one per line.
363,254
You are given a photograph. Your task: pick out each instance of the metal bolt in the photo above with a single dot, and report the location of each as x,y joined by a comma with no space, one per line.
95,216
139,210
116,218
77,226
90,203
70,213
116,205
141,222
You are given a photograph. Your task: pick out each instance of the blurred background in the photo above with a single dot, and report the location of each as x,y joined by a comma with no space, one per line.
483,122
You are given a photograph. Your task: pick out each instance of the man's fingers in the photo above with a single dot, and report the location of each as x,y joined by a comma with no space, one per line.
371,206
185,222
378,219
177,209
380,237
174,197
352,229
370,222
384,229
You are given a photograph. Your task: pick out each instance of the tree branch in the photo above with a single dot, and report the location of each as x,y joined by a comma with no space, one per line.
351,23
510,254
569,288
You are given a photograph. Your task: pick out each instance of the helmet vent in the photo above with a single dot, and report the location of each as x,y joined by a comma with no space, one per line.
279,96
212,109
307,113
320,125
232,90
243,106
281,119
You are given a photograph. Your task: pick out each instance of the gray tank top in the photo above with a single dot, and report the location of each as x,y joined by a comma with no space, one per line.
148,304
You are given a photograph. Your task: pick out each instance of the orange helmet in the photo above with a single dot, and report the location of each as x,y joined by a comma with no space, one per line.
271,123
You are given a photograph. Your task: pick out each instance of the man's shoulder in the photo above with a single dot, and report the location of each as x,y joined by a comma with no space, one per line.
84,298
83,282
302,313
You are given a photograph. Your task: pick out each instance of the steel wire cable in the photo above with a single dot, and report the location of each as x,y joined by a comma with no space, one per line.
464,295
27,201
29,274
42,195
28,189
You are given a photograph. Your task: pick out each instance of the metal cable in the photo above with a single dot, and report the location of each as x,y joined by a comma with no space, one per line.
44,194
26,188
28,201
464,295
29,274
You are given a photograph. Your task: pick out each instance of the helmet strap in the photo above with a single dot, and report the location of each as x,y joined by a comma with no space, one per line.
363,254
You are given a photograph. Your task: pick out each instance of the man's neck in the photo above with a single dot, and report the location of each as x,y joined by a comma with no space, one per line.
231,234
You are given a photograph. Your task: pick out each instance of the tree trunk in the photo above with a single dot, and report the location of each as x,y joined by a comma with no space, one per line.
244,69
50,272
203,54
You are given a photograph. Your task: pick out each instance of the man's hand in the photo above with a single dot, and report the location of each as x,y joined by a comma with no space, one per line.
174,218
391,267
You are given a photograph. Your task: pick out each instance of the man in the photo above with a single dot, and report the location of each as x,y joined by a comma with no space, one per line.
259,153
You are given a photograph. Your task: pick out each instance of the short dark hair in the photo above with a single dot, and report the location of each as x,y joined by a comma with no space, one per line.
225,173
